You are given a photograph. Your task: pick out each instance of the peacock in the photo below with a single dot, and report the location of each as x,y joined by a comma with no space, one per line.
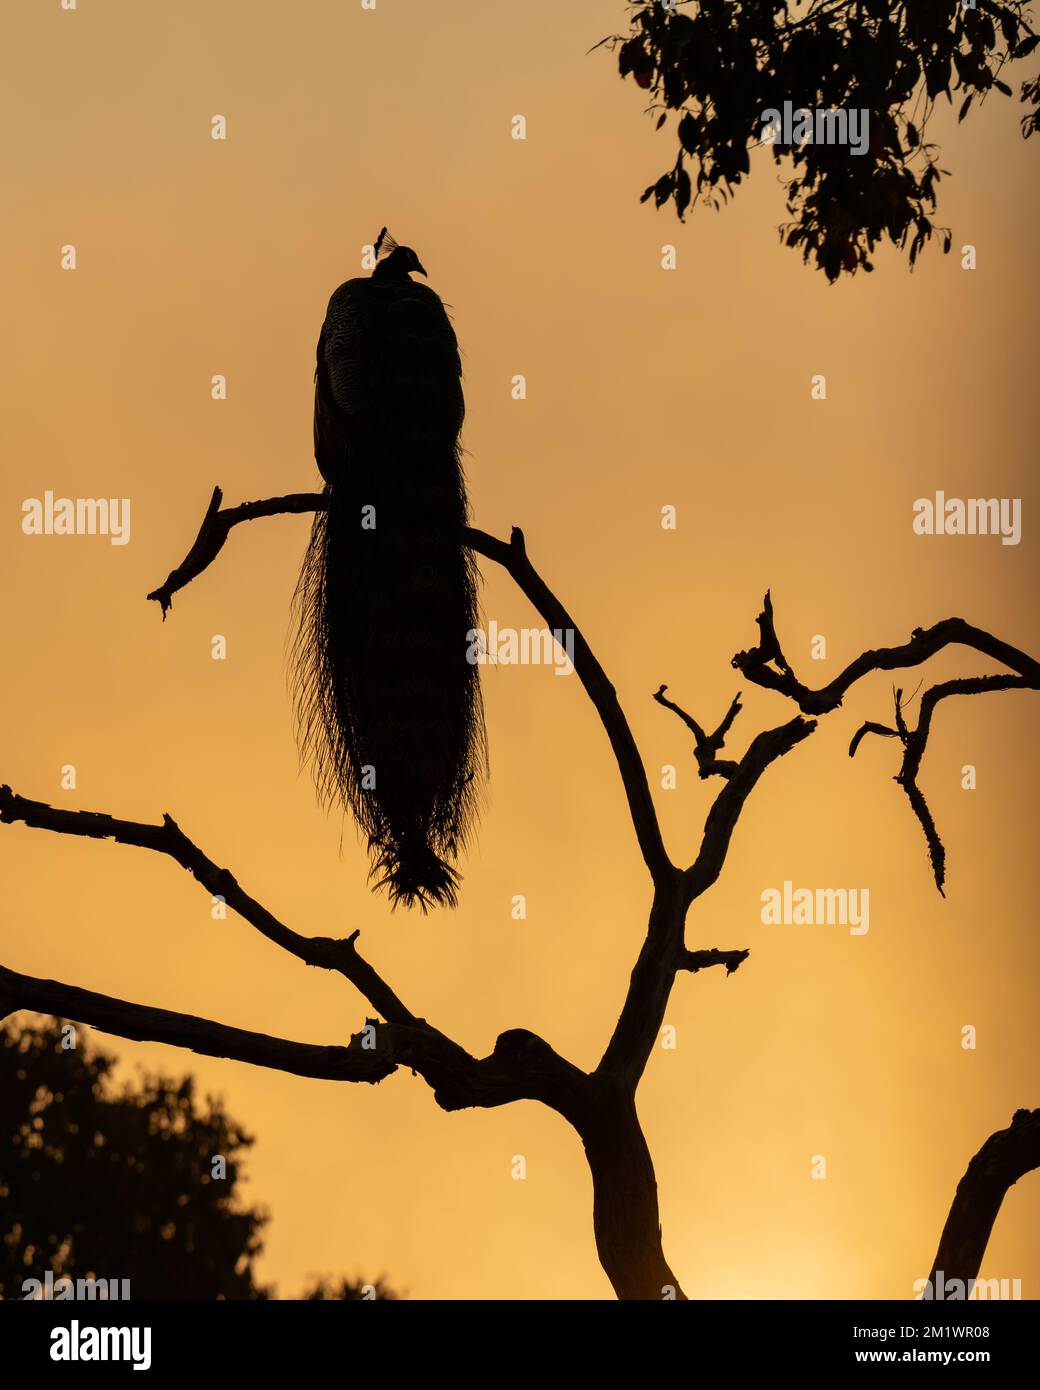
388,701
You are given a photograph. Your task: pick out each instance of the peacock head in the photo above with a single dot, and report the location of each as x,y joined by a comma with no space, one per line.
394,262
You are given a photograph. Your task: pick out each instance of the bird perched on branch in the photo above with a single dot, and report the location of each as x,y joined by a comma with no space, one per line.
388,704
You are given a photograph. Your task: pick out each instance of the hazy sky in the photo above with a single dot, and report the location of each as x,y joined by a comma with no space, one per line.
645,388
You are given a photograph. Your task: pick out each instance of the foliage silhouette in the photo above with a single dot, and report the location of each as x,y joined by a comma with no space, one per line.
717,65
106,1182
324,1287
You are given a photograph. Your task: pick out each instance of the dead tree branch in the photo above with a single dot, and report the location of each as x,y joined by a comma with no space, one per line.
740,777
914,742
513,1072
765,748
214,531
512,556
706,746
701,960
1004,1158
767,666
144,1024
169,839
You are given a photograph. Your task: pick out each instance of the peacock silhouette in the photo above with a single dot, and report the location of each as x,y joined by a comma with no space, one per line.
389,708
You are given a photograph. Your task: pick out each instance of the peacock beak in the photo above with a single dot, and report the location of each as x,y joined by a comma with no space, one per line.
419,267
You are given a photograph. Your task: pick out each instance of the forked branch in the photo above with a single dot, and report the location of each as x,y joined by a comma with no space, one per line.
914,742
706,746
767,666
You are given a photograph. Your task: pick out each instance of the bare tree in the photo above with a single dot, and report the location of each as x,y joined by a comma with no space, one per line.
600,1104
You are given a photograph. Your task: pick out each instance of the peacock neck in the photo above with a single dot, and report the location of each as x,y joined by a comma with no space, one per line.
390,274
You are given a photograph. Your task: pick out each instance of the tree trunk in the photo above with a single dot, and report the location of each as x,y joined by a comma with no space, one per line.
625,1213
1004,1158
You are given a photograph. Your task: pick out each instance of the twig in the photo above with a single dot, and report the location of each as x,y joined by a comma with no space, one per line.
766,665
701,960
914,742
706,746
216,525
725,809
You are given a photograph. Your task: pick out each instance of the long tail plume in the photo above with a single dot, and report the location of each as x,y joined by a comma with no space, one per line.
388,703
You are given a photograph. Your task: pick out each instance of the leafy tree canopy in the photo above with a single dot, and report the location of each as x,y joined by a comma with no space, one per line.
106,1182
718,65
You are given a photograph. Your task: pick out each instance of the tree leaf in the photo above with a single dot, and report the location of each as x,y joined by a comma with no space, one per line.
688,132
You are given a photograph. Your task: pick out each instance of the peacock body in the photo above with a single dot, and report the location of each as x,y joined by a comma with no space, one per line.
389,705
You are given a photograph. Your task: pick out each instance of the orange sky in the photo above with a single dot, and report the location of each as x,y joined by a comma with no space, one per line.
645,388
